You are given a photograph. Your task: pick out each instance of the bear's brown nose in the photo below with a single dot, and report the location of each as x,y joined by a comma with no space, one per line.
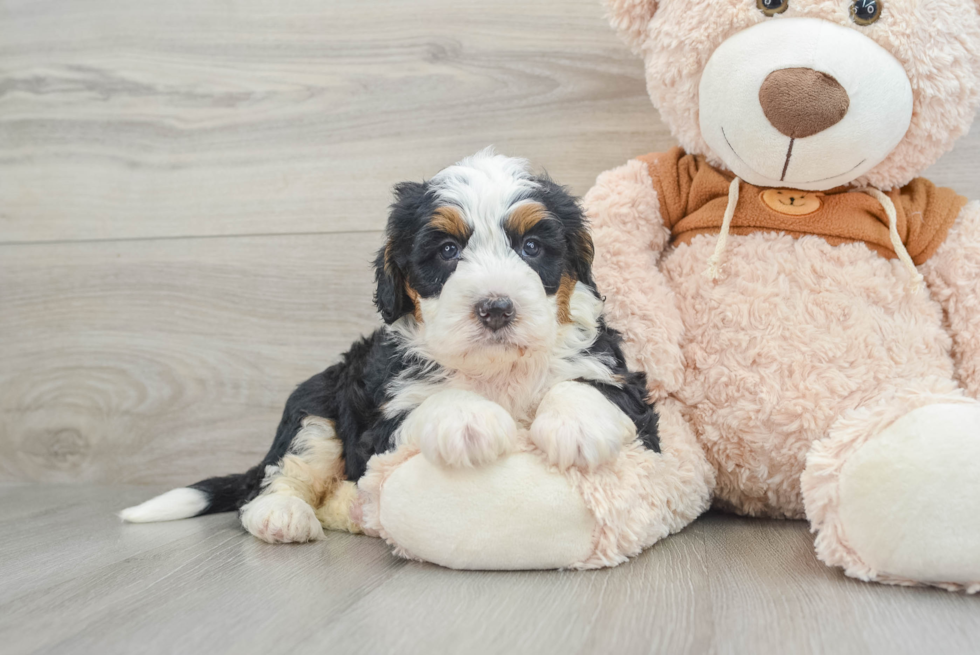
801,102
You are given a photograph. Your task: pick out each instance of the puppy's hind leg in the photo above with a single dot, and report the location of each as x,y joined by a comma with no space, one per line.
304,481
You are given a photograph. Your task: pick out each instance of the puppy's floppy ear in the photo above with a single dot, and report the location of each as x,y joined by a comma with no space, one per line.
391,295
631,18
579,251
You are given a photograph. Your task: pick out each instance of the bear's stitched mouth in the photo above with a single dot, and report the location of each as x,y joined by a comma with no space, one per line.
786,166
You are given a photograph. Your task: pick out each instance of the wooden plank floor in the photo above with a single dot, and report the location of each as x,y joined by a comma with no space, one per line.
73,579
190,195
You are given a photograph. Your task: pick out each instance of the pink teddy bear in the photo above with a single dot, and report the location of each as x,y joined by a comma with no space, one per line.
823,331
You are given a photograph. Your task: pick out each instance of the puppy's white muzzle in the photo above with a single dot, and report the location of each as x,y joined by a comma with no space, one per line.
457,334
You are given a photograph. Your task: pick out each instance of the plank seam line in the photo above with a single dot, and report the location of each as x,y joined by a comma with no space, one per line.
54,242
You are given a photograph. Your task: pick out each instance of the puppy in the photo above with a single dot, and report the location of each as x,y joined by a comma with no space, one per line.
493,323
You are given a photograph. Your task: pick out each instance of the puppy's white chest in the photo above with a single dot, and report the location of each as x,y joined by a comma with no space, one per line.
519,396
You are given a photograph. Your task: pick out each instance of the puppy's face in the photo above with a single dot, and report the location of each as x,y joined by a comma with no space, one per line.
483,259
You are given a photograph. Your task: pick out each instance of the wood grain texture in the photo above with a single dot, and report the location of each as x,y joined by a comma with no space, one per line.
167,360
769,589
191,117
75,580
202,117
190,191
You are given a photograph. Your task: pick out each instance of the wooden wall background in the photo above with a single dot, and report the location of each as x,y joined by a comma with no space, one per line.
191,191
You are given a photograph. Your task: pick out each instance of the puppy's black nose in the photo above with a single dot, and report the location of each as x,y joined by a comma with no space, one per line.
495,313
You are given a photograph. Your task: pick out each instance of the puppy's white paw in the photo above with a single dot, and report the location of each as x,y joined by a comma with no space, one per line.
576,426
281,519
460,428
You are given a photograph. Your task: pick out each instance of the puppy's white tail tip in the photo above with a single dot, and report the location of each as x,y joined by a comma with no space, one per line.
175,504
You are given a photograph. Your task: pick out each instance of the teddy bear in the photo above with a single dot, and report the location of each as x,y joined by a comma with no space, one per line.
825,347
806,308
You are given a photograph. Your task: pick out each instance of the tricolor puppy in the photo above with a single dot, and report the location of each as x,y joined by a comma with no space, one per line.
493,324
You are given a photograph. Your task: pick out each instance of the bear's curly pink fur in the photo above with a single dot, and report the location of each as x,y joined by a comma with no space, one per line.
952,275
801,352
627,253
824,464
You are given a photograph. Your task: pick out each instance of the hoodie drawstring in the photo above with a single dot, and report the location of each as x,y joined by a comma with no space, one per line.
903,254
714,264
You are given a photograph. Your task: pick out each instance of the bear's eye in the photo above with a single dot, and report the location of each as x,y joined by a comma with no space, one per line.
772,7
865,12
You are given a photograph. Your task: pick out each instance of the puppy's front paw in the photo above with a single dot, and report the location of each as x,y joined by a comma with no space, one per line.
281,519
577,426
460,428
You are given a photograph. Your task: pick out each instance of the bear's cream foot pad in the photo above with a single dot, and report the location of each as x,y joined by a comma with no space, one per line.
910,498
520,512
511,514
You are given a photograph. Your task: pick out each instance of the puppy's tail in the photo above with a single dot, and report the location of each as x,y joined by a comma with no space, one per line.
210,496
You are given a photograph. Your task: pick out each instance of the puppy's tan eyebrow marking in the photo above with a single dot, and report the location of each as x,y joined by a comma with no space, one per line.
449,220
523,217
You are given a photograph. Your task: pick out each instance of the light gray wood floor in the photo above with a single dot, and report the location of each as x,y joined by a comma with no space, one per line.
190,194
73,579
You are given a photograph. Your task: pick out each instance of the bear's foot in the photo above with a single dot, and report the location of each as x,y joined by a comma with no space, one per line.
510,514
901,504
521,512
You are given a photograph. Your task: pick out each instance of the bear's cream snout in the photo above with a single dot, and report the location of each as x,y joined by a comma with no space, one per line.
803,103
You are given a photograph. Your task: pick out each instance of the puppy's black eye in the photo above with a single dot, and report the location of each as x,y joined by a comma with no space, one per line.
865,12
772,7
532,248
449,251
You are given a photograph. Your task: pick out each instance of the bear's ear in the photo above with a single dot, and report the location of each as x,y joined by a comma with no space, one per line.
630,18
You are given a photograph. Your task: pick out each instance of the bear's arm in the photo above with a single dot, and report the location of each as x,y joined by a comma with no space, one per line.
629,238
953,277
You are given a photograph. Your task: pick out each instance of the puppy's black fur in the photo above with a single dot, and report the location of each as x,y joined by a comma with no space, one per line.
631,397
352,392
